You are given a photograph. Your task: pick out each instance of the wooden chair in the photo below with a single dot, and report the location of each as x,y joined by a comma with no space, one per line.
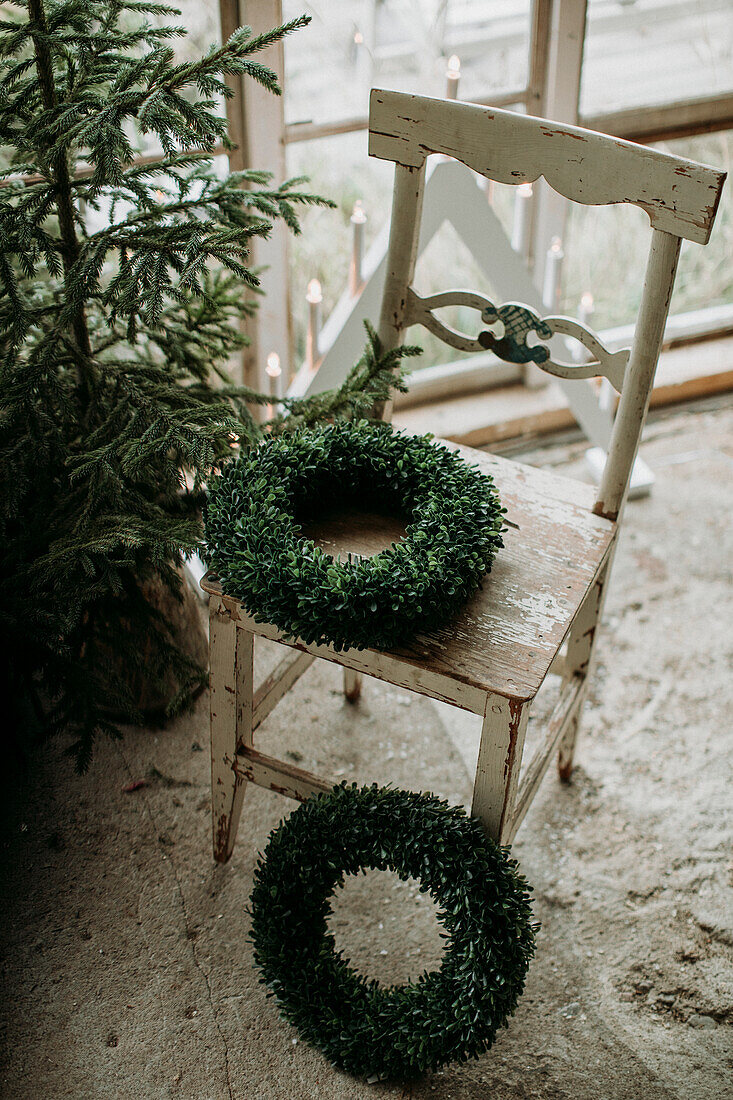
539,608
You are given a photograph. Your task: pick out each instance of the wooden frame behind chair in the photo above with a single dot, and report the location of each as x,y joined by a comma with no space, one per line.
493,657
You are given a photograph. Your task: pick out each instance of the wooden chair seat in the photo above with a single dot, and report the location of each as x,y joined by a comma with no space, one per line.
507,637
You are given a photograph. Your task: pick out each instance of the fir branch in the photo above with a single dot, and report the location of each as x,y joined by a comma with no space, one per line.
102,497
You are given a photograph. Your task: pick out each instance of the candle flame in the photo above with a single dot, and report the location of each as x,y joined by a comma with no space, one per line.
160,195
586,301
358,38
556,245
314,293
273,368
358,215
454,66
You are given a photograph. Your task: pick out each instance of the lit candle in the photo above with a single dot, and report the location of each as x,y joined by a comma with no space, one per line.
313,297
522,207
358,222
362,59
452,77
553,275
488,186
273,370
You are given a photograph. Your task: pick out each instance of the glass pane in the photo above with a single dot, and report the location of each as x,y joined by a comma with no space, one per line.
353,45
606,250
640,52
331,65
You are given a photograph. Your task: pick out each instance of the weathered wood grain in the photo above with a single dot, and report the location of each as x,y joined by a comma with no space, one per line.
498,763
227,788
563,715
680,196
251,766
507,636
277,684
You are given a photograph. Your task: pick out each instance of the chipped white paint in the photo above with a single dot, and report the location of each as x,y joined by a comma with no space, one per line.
498,763
227,789
548,583
606,364
563,715
680,196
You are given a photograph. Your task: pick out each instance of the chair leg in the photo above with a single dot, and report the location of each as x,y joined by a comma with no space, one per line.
581,644
352,685
231,693
497,768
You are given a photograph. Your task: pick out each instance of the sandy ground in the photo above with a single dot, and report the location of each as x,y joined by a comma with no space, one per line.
127,970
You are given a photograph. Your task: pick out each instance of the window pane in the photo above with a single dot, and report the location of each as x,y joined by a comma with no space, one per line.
607,246
640,52
353,45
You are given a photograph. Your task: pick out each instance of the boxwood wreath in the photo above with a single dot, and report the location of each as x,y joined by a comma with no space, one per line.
257,506
363,1027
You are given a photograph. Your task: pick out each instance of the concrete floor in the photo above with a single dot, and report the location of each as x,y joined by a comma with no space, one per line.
127,972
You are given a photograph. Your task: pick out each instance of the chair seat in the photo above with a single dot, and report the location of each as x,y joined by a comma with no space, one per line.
507,636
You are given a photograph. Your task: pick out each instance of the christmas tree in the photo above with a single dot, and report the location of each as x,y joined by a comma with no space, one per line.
116,398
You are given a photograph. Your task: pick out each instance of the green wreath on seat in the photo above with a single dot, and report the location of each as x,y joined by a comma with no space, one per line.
450,1014
256,546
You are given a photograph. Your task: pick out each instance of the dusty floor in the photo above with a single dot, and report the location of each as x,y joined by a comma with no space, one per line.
127,971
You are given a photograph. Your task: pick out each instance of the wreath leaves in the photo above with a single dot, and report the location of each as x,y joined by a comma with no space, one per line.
450,1014
255,541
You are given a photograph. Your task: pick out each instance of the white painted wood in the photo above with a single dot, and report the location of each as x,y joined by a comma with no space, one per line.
560,101
579,645
270,329
451,194
539,53
403,671
547,587
497,768
278,776
407,200
564,713
606,364
227,789
579,650
664,253
679,196
419,312
484,372
275,686
245,686
506,637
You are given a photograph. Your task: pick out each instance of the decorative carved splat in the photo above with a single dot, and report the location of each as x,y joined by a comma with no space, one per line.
605,363
510,325
419,311
516,321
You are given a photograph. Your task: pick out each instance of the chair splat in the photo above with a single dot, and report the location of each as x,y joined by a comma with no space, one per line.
509,326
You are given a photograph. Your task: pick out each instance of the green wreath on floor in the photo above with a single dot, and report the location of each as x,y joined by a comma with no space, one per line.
256,546
450,1014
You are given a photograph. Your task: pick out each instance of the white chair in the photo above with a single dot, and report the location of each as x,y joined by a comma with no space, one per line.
539,608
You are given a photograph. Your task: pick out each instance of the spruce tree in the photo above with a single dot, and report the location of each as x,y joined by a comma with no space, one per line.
116,399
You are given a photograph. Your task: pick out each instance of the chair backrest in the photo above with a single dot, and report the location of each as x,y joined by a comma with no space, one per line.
680,197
